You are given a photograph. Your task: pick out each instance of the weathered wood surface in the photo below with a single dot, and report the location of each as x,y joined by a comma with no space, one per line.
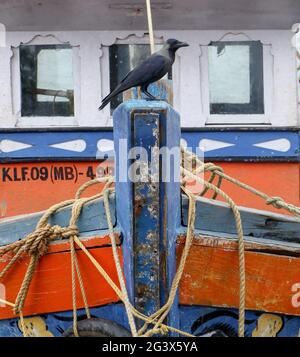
211,276
51,291
216,217
258,245
148,212
92,220
161,89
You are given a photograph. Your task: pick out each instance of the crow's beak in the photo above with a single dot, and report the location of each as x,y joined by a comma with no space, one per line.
182,44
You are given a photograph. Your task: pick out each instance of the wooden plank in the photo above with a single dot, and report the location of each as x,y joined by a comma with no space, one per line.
149,247
33,187
254,245
211,278
40,145
243,140
16,195
50,290
244,143
215,216
146,219
274,178
92,219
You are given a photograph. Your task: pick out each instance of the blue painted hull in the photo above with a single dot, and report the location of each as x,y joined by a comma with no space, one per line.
198,320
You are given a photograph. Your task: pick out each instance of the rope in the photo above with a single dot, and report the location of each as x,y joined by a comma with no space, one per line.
83,293
73,278
276,202
23,326
241,249
119,293
35,245
118,265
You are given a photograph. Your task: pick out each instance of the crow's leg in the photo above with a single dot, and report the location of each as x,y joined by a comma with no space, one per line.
149,95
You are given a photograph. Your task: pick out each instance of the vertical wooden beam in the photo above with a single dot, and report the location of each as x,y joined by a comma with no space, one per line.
146,222
148,209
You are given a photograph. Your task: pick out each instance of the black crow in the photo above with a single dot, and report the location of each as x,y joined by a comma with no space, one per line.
149,71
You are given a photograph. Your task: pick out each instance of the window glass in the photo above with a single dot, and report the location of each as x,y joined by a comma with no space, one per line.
47,80
236,77
122,59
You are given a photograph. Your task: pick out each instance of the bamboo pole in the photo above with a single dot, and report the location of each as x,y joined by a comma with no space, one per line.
150,26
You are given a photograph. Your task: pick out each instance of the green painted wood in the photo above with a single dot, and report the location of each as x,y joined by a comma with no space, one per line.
217,217
92,219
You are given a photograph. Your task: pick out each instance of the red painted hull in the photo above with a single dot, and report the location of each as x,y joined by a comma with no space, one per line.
51,287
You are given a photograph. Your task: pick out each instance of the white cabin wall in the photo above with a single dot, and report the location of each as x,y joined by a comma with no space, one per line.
296,44
6,106
190,80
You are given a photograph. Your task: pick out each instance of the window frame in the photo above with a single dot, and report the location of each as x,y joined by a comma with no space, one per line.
269,75
113,71
42,105
130,38
256,105
44,121
190,78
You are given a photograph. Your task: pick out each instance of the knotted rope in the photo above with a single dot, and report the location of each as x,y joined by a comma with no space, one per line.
35,245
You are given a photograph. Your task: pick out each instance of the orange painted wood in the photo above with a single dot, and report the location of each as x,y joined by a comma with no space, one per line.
50,290
35,191
211,277
91,242
28,196
275,179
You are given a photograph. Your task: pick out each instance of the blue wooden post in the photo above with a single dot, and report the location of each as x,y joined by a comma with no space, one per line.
148,209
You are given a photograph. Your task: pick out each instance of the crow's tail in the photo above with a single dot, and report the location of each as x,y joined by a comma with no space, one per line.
104,104
109,97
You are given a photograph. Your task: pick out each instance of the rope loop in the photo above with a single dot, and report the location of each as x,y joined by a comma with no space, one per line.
209,166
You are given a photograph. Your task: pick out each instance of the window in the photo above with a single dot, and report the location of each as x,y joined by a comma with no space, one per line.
122,59
47,87
236,77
